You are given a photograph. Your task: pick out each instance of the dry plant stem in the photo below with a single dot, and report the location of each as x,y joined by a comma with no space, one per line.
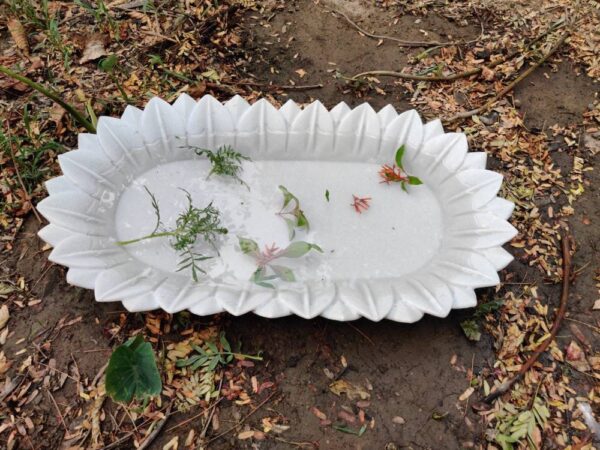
204,410
148,441
52,95
20,179
212,411
299,87
60,416
241,422
510,86
130,434
459,75
562,309
401,42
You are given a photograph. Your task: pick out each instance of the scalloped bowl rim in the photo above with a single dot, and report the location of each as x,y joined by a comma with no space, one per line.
96,174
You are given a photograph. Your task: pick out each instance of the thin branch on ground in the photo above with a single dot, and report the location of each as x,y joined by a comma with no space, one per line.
204,410
152,436
240,423
58,412
212,411
511,85
52,95
129,435
284,87
466,73
401,42
562,309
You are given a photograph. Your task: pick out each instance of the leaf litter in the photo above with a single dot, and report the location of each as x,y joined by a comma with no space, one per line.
200,48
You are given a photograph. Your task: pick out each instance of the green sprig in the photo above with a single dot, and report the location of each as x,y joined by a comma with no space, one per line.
190,225
266,271
412,180
292,214
225,162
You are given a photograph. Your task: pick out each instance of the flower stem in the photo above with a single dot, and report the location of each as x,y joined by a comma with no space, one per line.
149,236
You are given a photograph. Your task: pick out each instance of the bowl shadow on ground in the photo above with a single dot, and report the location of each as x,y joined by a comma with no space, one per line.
408,365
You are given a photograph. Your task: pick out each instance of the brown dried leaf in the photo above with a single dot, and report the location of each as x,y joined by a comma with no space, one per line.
16,30
345,415
301,73
317,412
574,352
94,48
352,391
465,395
246,435
4,316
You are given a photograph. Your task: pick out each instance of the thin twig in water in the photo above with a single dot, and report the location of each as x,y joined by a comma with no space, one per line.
562,309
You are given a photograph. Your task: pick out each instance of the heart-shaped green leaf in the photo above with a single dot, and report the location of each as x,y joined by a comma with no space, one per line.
132,372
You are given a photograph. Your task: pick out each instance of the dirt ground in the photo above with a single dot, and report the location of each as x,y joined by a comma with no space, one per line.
416,372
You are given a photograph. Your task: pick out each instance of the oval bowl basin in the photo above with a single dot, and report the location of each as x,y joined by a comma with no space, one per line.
423,250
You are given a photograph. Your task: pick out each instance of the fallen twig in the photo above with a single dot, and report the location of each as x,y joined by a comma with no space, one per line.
560,314
212,411
52,95
241,422
459,75
511,85
204,410
58,412
148,441
401,42
285,87
129,435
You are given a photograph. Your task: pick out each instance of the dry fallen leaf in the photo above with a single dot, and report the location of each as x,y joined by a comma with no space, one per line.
246,435
488,74
301,72
574,352
465,395
16,30
576,357
4,316
173,444
317,412
352,391
94,48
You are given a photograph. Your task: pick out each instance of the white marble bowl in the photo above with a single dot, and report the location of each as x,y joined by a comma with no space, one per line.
412,253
